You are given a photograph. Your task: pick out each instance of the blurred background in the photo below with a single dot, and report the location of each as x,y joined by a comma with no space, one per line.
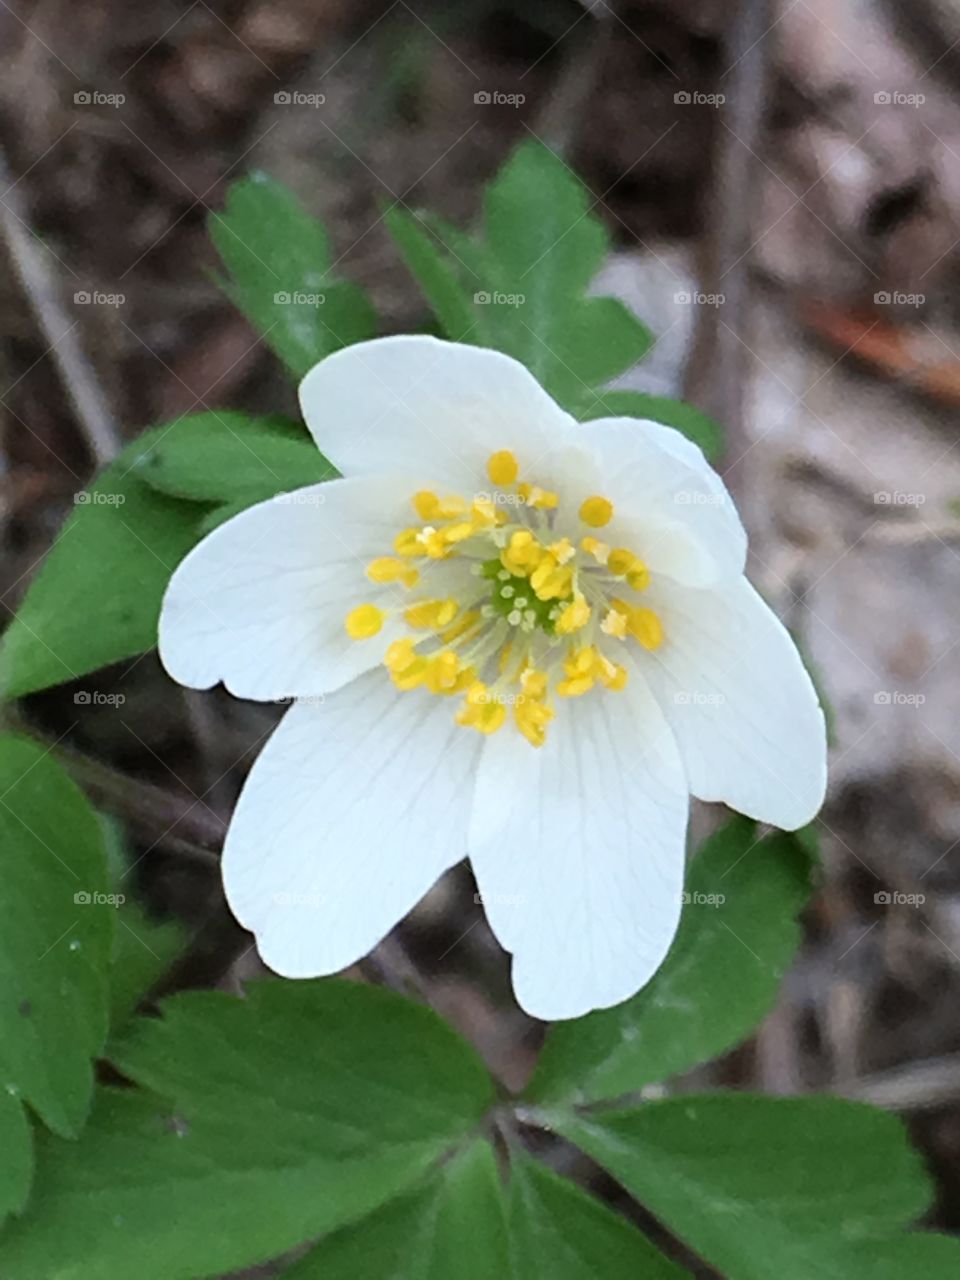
782,183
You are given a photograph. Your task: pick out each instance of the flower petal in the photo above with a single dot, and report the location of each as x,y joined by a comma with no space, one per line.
436,409
744,711
578,851
670,503
350,814
260,602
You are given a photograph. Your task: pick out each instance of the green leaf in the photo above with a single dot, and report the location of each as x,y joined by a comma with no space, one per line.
16,1164
763,1187
229,457
96,598
261,1123
455,1225
689,420
279,261
56,928
144,950
522,290
737,937
450,301
557,1230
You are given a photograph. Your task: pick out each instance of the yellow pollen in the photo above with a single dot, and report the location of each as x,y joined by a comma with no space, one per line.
531,717
431,615
389,569
562,551
615,624
620,561
639,576
364,621
575,616
407,543
596,512
534,496
426,505
502,467
594,547
643,624
480,710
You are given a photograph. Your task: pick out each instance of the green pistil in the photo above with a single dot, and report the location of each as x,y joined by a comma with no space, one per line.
510,594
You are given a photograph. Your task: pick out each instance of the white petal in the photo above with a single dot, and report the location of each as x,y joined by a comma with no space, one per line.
741,704
435,409
348,817
578,851
670,503
260,602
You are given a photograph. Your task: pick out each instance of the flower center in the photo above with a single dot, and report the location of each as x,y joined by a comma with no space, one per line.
528,613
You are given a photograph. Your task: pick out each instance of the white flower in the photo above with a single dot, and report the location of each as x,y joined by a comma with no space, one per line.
508,635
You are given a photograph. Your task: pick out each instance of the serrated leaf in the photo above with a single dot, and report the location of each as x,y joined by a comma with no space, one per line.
261,1123
56,929
96,597
522,289
557,1230
737,936
694,424
229,457
425,1235
450,301
763,1187
279,261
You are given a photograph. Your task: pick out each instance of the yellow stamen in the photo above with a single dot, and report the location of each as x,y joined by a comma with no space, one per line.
502,467
480,710
615,624
620,561
431,615
364,621
575,616
596,512
562,551
638,576
594,547
389,569
426,505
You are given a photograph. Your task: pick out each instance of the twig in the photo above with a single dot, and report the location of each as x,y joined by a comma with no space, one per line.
41,291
